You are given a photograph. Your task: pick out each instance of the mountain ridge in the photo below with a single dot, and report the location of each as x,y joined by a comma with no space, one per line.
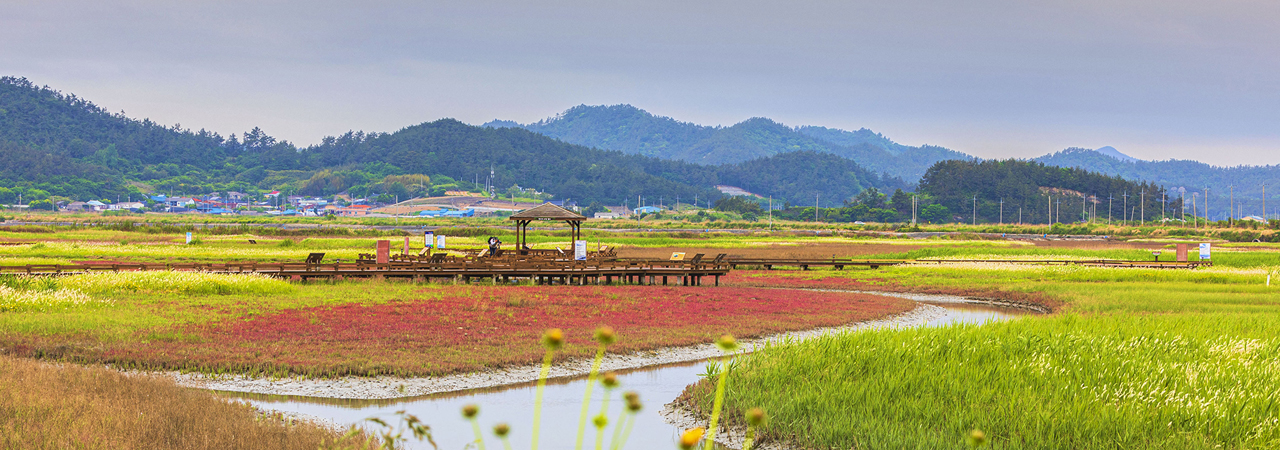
633,130
58,144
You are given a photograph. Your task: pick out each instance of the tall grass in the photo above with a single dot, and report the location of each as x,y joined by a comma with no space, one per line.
44,300
66,406
49,294
1067,382
188,283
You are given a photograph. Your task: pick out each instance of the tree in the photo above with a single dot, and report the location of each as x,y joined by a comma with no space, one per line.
871,198
593,208
935,213
901,202
44,205
737,204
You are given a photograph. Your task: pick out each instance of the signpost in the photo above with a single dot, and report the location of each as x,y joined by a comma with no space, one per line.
1156,254
440,242
580,250
1204,251
428,238
188,237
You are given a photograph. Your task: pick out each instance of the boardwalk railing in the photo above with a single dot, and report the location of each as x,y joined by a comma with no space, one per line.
687,273
542,270
841,263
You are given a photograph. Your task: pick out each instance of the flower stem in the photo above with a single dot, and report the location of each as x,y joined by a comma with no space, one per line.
475,425
715,410
537,398
617,429
604,409
586,398
626,434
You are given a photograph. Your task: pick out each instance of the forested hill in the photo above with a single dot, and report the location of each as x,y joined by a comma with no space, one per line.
635,131
61,145
1244,182
460,151
1036,190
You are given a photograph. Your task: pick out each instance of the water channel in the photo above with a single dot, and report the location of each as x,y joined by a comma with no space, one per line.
563,400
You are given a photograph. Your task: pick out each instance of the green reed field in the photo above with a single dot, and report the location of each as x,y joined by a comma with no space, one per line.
1135,358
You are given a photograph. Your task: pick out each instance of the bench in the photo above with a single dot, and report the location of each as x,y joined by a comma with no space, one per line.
313,260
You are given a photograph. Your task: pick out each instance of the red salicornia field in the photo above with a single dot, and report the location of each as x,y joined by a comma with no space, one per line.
473,327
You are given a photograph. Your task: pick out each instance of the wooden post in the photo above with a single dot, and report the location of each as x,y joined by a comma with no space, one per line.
384,251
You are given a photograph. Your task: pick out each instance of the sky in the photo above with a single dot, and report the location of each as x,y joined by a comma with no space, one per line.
993,78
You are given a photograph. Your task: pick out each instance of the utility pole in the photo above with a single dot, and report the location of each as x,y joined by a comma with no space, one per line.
815,207
975,209
1126,207
1231,216
1050,221
1019,215
1206,207
1195,215
913,210
1164,206
1059,210
1001,210
770,212
1142,202
1110,200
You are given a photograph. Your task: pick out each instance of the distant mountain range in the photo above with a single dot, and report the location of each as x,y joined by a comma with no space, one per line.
57,144
53,144
1240,185
631,130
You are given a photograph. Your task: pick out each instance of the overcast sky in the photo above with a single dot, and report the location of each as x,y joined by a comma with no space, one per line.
1155,79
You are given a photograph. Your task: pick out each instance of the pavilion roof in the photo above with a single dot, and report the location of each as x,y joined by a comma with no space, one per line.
547,211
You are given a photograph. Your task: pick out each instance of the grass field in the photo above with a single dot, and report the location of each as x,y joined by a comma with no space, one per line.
1062,382
1131,358
1136,358
69,406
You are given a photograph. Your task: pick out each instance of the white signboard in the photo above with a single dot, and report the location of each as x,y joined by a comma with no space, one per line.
428,238
580,250
188,237
440,242
1204,251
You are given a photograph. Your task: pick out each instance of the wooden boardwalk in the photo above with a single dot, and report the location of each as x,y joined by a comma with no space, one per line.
686,273
841,263
542,270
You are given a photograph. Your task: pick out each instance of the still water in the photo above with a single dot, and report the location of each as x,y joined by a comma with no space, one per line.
562,402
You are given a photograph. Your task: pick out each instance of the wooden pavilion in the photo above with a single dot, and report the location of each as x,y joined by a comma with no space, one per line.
545,212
